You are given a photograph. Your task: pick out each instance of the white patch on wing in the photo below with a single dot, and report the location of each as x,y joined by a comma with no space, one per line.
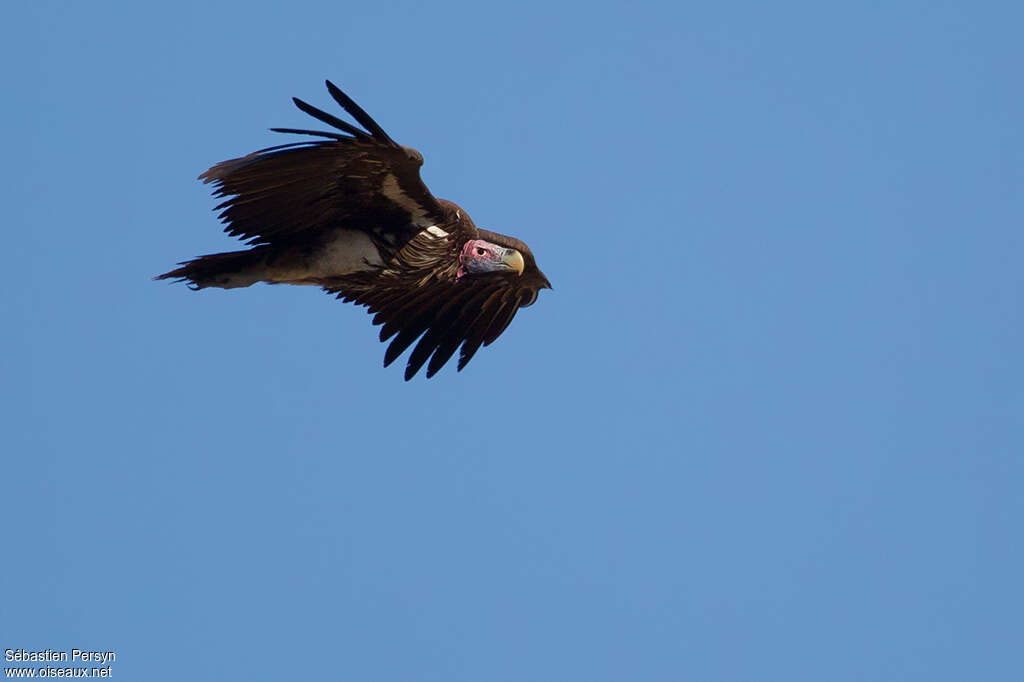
392,191
436,231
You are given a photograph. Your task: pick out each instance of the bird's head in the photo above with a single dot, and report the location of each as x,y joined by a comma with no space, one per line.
480,257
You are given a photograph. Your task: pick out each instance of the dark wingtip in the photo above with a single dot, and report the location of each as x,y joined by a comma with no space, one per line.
412,368
329,119
358,113
303,131
177,274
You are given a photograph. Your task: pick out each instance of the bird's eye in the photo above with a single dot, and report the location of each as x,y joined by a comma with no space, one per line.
480,251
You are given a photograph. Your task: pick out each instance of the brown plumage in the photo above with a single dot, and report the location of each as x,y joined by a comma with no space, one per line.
349,213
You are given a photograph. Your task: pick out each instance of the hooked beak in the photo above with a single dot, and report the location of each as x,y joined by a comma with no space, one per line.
513,260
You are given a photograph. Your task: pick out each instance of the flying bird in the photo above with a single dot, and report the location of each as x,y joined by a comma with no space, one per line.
350,214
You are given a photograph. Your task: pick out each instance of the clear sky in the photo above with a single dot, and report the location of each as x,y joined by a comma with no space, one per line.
768,425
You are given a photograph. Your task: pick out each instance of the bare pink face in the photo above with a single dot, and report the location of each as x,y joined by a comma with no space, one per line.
481,257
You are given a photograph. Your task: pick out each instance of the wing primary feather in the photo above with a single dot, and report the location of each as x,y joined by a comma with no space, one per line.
422,351
329,119
456,333
218,172
478,331
400,317
382,307
320,133
501,322
357,113
410,331
305,144
438,326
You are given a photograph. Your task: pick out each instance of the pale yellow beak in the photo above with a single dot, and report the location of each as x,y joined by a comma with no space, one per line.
513,260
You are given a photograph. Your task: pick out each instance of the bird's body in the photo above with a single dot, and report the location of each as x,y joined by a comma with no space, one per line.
350,214
335,253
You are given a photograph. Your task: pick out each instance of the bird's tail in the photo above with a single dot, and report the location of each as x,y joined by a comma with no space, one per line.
224,270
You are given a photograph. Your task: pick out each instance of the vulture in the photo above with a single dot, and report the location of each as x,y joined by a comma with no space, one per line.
348,212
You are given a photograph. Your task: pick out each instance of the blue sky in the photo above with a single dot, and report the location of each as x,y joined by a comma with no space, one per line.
767,426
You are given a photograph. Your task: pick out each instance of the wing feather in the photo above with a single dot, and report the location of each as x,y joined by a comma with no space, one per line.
456,334
405,338
303,131
404,312
360,179
478,332
436,318
356,112
442,323
329,119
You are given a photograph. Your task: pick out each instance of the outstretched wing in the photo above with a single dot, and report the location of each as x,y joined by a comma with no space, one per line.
441,313
357,178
